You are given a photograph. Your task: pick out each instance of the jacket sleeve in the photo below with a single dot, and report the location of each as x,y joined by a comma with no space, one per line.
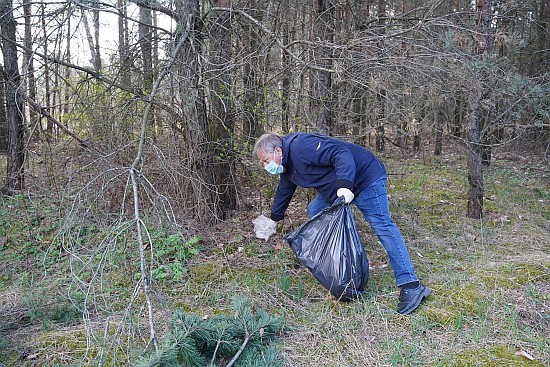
282,198
331,152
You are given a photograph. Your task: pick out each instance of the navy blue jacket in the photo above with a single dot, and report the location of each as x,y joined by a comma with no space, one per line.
323,163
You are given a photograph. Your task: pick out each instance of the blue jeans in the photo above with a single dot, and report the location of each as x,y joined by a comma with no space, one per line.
373,203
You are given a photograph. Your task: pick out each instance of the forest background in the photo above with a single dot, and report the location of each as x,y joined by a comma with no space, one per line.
126,130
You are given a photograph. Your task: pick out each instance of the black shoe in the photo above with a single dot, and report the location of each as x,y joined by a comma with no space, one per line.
409,299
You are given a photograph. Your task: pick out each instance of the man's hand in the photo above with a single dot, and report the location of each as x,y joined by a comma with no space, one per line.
272,225
346,193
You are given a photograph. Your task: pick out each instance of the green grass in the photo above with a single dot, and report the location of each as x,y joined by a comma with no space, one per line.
490,356
490,280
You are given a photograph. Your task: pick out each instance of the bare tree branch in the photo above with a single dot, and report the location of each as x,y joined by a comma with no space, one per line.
134,174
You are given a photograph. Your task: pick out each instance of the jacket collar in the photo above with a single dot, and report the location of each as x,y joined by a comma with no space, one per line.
286,146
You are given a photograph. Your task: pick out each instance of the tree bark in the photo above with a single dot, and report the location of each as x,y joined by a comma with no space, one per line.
93,40
146,45
3,118
67,95
123,54
286,61
222,120
542,63
253,75
380,117
439,125
28,62
381,93
323,33
47,72
458,112
475,172
197,157
16,127
97,53
361,15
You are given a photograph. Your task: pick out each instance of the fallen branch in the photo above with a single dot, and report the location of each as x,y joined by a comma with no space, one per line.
135,173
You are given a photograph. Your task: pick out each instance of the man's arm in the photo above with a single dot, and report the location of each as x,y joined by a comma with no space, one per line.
281,200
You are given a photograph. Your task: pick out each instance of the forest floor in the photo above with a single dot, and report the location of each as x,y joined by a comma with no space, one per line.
66,296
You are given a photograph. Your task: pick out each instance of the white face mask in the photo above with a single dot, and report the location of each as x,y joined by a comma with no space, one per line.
273,167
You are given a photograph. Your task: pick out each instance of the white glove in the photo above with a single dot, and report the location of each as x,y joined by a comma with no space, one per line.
346,193
272,225
264,227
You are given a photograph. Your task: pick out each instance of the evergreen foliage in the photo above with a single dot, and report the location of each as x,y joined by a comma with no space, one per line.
243,339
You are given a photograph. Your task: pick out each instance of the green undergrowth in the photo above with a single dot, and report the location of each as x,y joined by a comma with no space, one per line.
72,290
489,356
513,275
426,194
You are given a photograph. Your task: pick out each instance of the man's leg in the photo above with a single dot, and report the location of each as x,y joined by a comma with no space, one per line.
373,203
316,205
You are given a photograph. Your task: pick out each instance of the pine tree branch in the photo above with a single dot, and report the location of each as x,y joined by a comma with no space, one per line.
215,352
241,349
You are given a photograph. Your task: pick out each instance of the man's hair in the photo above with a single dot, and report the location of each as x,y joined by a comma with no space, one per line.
267,143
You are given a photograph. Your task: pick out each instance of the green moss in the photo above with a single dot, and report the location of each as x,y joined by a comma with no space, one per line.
252,276
512,275
73,347
204,273
490,356
428,196
180,304
451,303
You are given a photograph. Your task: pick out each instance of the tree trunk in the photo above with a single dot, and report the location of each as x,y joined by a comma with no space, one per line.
197,157
458,112
323,29
286,61
28,61
438,127
16,128
3,118
97,53
47,72
93,39
221,130
380,116
380,138
146,45
67,77
359,120
123,52
475,172
361,15
381,95
542,63
253,73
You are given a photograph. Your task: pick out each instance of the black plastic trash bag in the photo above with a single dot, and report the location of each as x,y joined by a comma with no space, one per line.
330,247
